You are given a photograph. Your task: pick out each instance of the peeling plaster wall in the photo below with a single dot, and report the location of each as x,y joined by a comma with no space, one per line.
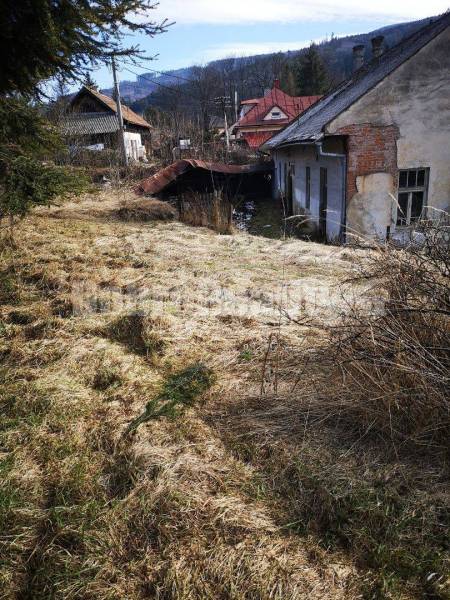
415,99
369,210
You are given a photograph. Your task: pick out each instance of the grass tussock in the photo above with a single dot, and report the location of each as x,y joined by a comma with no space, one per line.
143,210
139,333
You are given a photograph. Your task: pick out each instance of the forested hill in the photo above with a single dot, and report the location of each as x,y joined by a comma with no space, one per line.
252,75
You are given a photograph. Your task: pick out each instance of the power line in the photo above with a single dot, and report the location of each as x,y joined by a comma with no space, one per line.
171,89
167,75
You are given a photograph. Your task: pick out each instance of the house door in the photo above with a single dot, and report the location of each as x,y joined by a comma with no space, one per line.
289,187
323,203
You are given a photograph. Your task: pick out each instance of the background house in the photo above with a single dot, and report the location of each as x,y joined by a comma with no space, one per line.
372,156
261,118
91,121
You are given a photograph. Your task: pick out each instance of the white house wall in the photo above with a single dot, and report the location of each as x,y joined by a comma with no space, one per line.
307,156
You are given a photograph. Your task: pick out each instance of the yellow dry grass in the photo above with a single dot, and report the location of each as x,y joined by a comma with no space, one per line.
173,512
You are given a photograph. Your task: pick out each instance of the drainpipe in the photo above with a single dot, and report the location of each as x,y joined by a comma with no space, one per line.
343,158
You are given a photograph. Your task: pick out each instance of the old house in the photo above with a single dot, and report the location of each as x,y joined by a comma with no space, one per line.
91,121
373,156
261,118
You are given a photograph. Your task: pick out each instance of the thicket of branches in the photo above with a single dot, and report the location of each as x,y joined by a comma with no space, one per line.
390,361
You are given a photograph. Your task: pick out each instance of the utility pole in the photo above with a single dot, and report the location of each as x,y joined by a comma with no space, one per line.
119,114
236,113
224,102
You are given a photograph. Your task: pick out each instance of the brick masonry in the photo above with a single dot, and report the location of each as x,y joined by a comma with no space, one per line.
370,149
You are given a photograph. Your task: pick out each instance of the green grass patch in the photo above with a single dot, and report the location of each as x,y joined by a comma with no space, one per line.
178,391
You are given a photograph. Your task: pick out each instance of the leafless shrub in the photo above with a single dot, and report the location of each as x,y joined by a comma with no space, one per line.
389,362
207,210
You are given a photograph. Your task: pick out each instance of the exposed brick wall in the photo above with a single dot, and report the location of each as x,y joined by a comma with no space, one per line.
371,149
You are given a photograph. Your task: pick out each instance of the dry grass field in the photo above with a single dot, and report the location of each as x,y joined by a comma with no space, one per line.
223,489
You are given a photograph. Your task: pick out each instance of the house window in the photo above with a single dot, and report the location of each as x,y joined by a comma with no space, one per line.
412,193
276,114
308,188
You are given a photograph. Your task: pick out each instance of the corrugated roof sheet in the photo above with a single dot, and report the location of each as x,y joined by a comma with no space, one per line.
310,125
89,124
161,179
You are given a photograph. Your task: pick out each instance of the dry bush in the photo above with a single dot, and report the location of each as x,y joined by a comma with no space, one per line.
207,210
146,210
389,362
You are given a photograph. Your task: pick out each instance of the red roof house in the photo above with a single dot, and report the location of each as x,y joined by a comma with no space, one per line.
261,118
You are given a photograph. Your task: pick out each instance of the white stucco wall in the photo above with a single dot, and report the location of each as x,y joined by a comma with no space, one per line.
416,99
307,156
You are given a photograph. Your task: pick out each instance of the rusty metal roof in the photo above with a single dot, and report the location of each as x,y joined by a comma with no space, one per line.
161,179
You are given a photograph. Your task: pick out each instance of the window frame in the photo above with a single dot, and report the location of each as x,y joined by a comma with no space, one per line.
410,190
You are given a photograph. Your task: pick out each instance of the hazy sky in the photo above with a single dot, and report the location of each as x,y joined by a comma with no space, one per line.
208,29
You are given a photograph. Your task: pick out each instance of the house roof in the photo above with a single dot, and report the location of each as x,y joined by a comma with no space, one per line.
310,125
291,106
128,115
89,123
256,138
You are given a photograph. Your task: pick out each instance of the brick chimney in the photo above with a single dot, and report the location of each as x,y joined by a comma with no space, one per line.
377,46
358,56
276,84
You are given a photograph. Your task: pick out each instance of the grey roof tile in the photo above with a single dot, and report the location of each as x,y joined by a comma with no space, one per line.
88,124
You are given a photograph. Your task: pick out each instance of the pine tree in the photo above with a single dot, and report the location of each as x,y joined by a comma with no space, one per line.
42,39
311,73
288,80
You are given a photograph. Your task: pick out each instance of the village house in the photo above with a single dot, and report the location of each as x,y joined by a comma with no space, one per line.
261,118
92,122
372,157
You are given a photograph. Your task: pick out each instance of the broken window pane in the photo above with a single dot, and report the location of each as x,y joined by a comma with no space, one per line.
402,210
412,178
403,179
416,205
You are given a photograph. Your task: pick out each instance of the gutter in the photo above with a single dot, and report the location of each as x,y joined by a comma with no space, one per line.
342,157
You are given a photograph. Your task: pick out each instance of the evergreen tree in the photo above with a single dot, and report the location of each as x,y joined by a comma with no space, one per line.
288,81
311,73
42,39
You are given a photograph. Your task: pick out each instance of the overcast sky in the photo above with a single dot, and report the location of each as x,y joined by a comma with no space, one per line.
208,29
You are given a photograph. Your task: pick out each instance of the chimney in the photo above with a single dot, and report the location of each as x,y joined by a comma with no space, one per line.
377,46
276,84
358,57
